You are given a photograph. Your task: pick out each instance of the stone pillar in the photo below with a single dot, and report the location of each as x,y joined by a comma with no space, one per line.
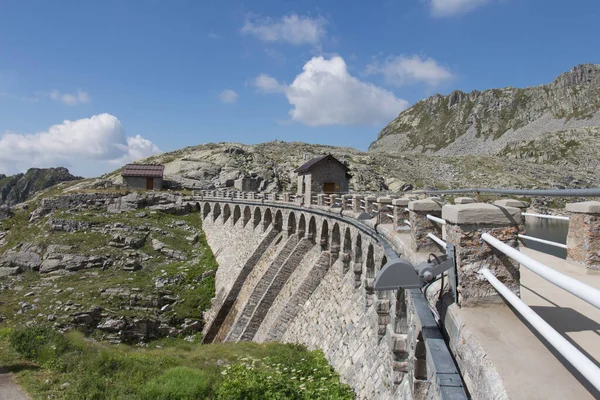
346,202
357,203
321,199
400,213
420,226
252,195
286,197
583,239
385,208
369,201
465,223
464,200
511,203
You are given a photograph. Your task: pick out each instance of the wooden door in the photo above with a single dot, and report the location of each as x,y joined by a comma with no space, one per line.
329,187
150,183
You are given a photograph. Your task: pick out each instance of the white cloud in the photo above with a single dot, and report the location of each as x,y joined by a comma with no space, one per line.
294,28
70,99
213,35
405,70
267,84
228,96
447,8
324,93
90,144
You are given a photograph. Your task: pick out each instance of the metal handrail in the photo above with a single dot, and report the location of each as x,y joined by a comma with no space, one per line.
573,286
579,361
560,217
436,219
562,246
592,192
437,240
407,222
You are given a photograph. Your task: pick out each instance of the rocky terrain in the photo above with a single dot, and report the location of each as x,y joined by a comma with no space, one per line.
487,122
18,188
124,267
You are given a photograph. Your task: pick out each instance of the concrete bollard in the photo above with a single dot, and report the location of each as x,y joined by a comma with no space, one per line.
465,223
511,203
400,213
321,199
369,204
385,209
357,204
420,226
346,202
583,239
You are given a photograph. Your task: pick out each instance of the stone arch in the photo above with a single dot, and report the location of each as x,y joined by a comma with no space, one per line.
257,217
325,235
197,207
370,262
205,210
383,261
267,218
336,239
247,215
291,224
278,220
237,213
216,211
347,250
226,212
302,226
312,229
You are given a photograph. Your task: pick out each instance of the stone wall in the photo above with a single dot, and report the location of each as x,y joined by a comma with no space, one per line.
138,182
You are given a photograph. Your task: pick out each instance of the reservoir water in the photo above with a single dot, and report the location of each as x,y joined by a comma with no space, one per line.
549,229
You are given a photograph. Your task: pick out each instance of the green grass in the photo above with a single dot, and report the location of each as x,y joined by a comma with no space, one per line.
44,361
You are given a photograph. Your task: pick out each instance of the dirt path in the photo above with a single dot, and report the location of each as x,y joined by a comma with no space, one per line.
9,390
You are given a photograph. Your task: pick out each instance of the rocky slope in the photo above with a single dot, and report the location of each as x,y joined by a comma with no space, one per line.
18,188
485,123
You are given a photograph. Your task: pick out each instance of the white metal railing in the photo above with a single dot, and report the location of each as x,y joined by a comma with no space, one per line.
406,209
579,361
559,217
437,240
573,286
562,246
389,216
407,222
363,207
436,219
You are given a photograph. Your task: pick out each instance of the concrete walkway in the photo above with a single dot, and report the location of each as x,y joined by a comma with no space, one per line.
9,390
529,368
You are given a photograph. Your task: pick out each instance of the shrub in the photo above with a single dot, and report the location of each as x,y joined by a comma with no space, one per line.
179,383
39,343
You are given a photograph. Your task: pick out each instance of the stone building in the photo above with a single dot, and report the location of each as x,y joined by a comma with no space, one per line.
324,174
143,176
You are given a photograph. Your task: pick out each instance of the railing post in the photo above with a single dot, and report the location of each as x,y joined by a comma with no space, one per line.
465,223
357,203
583,239
385,208
369,201
286,197
346,202
420,226
321,199
400,213
332,199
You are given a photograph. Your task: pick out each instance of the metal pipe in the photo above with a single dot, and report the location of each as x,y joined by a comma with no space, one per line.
436,219
389,215
581,363
407,222
436,239
546,216
563,246
406,209
592,192
573,286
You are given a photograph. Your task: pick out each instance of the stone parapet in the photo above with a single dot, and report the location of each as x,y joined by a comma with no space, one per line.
321,199
369,201
464,200
385,209
510,203
420,226
583,239
400,212
465,224
347,202
357,204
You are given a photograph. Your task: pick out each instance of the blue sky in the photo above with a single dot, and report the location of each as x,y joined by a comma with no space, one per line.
95,84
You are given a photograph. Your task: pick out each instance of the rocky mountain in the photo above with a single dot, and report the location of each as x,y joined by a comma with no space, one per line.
18,188
489,122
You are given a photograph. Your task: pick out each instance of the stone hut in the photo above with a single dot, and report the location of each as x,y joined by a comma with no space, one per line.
324,174
143,176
